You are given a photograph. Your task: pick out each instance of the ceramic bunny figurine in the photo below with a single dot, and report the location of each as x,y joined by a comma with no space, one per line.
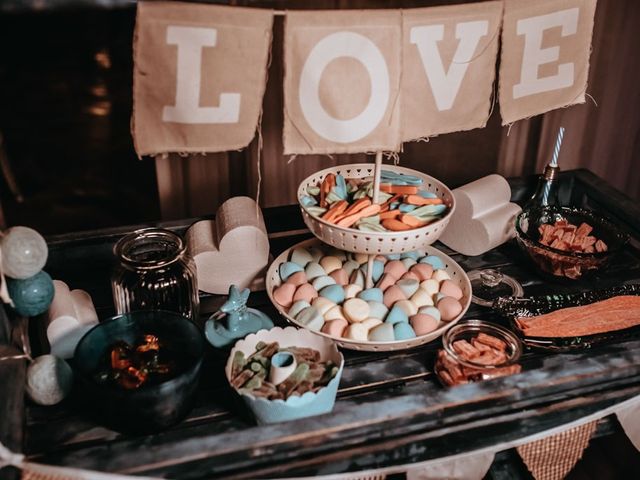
234,320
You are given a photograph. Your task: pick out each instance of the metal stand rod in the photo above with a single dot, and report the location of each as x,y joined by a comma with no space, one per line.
375,199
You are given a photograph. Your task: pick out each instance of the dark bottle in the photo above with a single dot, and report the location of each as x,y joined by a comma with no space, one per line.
547,190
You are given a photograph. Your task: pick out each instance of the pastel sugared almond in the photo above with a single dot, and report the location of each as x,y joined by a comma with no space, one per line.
284,294
450,289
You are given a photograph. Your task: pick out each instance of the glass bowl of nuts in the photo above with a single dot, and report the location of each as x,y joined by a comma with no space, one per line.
568,242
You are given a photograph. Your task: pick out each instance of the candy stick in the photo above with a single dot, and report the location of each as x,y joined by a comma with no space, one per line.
303,354
298,375
242,378
254,382
237,364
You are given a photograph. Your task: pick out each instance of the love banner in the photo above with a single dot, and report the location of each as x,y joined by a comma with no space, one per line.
355,80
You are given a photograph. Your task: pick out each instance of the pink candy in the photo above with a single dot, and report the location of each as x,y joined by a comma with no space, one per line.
422,270
423,323
297,279
284,294
395,268
335,328
305,292
340,276
392,295
450,289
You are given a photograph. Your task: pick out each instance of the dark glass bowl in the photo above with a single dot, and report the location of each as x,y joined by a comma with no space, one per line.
560,263
150,407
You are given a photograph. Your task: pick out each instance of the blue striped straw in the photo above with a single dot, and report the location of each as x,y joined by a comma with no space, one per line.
556,150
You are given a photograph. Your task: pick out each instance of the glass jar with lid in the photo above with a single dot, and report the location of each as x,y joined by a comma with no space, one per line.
154,272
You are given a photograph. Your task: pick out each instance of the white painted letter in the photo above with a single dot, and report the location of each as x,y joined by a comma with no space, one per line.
445,85
534,56
336,45
190,42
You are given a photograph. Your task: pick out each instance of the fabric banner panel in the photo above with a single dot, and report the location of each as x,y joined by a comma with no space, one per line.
342,81
545,56
199,76
448,68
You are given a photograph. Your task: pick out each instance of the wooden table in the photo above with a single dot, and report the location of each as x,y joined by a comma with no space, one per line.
390,410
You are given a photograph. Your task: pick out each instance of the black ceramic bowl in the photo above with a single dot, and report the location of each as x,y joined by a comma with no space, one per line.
150,407
561,263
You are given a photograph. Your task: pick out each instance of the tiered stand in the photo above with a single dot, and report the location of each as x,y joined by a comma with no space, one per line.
378,243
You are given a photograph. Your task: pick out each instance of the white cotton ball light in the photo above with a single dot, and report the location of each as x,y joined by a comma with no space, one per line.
49,380
24,252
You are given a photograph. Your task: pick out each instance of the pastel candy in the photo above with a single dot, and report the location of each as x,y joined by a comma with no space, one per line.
314,270
382,333
356,310
450,289
301,256
392,295
316,253
335,293
330,263
408,306
413,255
349,266
403,331
357,278
377,310
335,328
449,308
297,279
322,281
339,254
422,270
408,286
423,324
434,261
406,207
425,194
408,262
432,311
335,313
422,298
381,258
431,286
396,314
378,270
308,201
410,276
310,318
305,292
437,297
284,294
323,305
395,268
440,275
371,294
287,269
361,257
340,276
393,256
351,290
371,322
386,281
297,307
356,331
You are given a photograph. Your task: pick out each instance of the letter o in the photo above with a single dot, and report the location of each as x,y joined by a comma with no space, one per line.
336,45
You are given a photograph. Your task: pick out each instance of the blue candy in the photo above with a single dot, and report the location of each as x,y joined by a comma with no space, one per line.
425,194
406,208
378,270
371,295
31,296
434,261
335,293
393,256
413,255
308,201
394,205
287,269
403,331
396,315
341,187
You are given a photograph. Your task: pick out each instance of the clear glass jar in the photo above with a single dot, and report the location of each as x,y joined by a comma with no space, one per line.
454,366
154,273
